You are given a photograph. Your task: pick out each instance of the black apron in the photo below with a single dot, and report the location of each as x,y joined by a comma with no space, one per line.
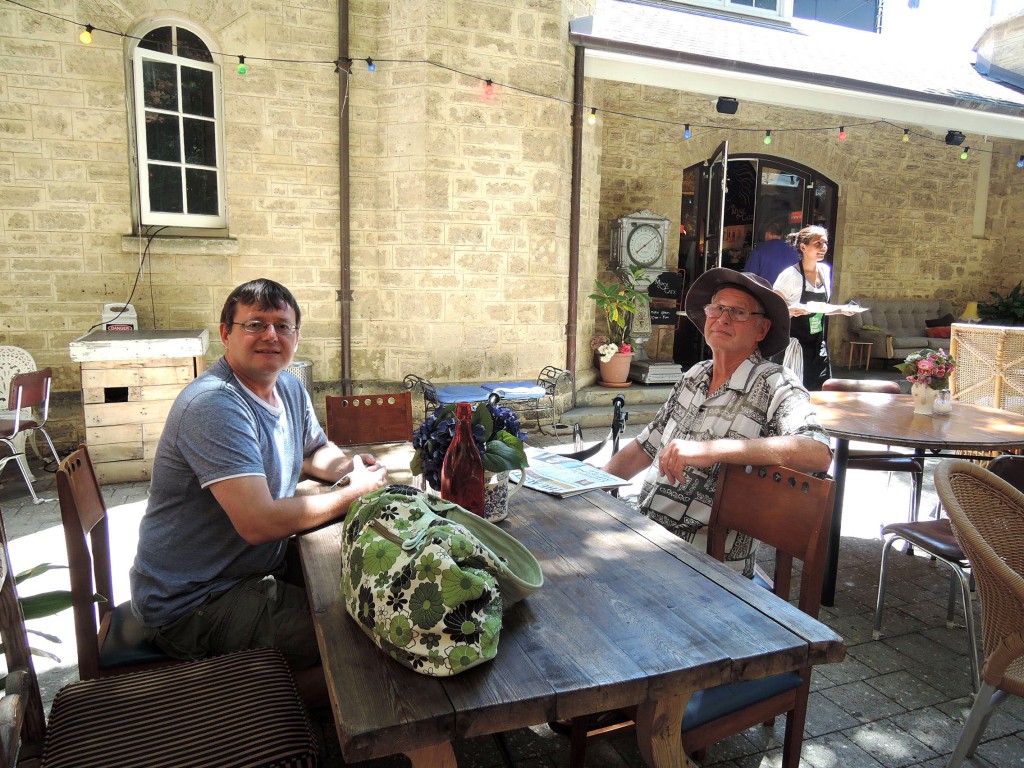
811,331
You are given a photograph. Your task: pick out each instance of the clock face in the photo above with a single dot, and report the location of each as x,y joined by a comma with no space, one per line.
644,245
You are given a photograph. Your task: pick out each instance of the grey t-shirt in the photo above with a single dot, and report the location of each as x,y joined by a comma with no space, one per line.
216,430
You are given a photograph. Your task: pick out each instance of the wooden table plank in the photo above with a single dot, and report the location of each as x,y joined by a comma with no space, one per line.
628,614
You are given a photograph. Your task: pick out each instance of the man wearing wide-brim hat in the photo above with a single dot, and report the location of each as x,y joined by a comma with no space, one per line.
737,408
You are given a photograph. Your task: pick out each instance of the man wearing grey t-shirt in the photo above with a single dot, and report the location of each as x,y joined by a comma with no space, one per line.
211,573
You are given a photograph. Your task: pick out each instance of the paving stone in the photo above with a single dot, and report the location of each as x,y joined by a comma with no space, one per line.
835,750
906,690
880,656
888,744
862,701
825,716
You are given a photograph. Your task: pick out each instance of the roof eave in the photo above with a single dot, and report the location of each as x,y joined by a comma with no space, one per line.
681,70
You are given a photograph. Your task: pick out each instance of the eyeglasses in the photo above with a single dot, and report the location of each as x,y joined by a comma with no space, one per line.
736,314
258,326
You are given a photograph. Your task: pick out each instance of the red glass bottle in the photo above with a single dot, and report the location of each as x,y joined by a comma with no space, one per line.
462,472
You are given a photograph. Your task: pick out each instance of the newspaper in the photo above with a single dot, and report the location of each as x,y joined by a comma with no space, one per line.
561,476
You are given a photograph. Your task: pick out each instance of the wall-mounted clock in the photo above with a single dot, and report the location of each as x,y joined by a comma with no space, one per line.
640,240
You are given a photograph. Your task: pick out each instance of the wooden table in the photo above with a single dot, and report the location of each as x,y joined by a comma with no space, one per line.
890,420
629,614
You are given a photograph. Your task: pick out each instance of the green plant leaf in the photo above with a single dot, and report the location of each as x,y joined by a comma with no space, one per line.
501,457
44,635
45,603
38,570
44,654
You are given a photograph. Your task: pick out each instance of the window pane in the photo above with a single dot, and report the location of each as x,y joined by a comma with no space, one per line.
191,47
780,201
165,189
197,92
158,40
200,142
202,191
162,139
160,85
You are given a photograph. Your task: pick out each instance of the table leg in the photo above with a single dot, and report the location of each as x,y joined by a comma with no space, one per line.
657,732
435,756
828,589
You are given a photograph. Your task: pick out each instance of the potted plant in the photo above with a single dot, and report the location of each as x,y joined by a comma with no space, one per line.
1004,310
928,372
618,302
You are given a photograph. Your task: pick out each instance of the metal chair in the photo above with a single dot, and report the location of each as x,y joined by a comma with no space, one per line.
936,538
15,360
110,640
887,462
362,419
237,709
619,419
987,515
793,515
27,391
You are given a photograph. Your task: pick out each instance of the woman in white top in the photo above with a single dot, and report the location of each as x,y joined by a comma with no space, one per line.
810,279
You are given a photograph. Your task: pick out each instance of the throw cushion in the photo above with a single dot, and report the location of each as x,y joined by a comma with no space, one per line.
938,333
939,322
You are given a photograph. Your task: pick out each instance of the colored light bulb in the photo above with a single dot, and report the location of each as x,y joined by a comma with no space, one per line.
686,131
86,35
241,68
767,137
592,117
963,155
906,134
370,66
842,133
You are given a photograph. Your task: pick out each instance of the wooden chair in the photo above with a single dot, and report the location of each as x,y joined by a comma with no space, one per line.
110,639
987,515
793,514
361,419
872,460
240,709
32,391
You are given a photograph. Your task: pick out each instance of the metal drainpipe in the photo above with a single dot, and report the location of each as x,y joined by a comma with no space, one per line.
574,215
345,289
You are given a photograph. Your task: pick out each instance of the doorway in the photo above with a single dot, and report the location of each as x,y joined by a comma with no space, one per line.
727,203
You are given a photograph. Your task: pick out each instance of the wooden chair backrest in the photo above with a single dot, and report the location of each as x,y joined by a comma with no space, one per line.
359,419
22,723
87,537
782,508
31,390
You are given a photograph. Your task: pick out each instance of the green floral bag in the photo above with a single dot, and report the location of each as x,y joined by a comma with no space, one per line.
427,581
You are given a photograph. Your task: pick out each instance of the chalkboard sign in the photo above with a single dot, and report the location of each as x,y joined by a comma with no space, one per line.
667,285
662,316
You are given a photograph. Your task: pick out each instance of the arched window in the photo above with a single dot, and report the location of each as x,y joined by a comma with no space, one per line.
178,118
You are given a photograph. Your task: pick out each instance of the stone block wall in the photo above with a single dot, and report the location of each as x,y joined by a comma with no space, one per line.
459,199
905,209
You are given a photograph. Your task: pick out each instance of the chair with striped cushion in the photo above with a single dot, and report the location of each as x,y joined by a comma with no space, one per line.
239,710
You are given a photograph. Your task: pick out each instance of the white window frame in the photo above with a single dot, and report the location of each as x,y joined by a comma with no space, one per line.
784,10
147,216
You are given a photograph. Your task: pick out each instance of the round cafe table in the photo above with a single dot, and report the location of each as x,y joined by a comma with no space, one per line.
890,420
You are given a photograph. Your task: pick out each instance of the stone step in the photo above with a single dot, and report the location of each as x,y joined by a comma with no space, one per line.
594,405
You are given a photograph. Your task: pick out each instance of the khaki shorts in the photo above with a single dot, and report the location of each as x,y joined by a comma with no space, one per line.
259,611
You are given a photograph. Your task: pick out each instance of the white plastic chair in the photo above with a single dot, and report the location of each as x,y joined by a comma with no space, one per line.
15,360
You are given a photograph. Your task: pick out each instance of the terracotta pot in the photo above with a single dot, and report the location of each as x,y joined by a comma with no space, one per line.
616,371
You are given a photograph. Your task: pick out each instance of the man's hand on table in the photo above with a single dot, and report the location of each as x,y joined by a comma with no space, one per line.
367,474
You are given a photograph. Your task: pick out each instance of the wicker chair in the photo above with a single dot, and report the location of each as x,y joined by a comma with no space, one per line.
987,514
989,366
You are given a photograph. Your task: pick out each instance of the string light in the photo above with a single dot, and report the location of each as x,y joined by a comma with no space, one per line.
963,155
592,117
340,65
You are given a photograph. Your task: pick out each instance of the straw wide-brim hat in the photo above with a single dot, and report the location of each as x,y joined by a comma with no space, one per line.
775,307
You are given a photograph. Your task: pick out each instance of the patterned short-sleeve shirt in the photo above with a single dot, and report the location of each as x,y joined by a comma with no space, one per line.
761,399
